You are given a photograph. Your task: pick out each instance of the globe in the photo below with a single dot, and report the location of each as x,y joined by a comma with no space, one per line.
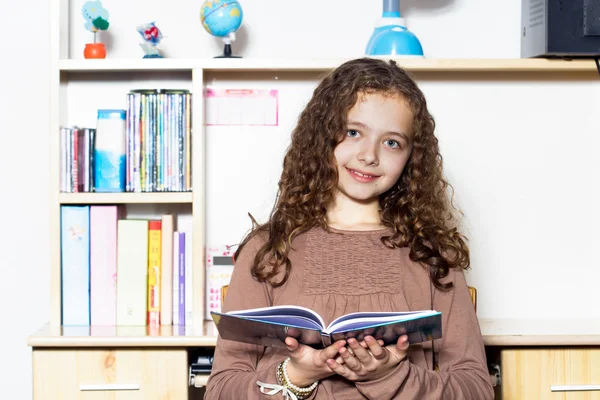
222,18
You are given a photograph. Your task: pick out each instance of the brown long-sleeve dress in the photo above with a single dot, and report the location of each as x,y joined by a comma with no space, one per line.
349,271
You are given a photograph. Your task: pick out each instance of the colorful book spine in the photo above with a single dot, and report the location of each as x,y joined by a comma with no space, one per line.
175,279
185,225
103,264
77,159
132,272
182,288
75,267
154,272
166,285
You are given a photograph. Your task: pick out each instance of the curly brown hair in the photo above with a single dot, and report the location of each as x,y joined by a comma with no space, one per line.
418,208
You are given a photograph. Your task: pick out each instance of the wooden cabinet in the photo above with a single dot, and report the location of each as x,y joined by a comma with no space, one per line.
115,374
568,373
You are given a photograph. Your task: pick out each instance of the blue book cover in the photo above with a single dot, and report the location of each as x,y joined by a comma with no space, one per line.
75,265
270,326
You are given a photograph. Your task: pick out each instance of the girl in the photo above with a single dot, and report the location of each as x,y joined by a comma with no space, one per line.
362,223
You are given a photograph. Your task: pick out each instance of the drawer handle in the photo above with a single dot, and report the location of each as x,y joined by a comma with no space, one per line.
574,388
109,386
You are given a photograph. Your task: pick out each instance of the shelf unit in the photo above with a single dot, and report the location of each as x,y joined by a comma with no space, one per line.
194,199
198,69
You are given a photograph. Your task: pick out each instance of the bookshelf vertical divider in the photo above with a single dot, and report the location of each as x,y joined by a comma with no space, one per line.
59,17
198,200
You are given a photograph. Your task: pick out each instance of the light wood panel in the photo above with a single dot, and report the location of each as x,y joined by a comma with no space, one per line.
110,374
262,64
540,332
534,373
124,336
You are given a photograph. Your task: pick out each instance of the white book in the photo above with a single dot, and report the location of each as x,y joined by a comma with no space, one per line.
132,272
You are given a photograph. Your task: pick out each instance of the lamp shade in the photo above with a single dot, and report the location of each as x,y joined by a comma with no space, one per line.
396,40
391,37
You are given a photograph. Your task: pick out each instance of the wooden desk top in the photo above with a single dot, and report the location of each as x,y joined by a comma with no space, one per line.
496,332
558,332
124,336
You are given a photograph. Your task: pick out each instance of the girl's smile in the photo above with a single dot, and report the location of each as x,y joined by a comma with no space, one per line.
361,176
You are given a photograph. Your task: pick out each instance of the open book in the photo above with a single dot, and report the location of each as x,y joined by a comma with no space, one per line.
269,326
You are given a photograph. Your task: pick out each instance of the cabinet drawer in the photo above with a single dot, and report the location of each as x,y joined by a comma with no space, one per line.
556,374
119,374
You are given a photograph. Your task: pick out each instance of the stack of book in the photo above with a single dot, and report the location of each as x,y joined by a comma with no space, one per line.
124,272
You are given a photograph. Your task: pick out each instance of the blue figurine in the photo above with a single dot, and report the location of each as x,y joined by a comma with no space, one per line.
152,37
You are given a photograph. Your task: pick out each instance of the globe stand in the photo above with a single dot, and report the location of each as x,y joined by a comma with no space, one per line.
227,49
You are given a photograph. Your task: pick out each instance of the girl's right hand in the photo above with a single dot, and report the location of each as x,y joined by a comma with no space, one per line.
308,365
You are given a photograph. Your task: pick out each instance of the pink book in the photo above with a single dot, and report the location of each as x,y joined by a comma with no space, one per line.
103,264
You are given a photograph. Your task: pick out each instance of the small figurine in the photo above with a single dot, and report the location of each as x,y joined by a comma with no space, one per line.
152,37
96,19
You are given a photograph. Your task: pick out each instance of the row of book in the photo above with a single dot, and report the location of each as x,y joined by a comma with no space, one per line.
77,159
159,127
158,145
117,271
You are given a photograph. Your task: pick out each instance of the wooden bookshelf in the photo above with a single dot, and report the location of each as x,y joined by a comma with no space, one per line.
321,65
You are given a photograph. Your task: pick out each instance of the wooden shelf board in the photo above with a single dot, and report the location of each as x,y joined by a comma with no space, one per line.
125,198
496,332
412,64
134,64
322,65
124,336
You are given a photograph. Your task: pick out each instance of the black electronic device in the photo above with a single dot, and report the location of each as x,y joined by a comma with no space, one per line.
560,28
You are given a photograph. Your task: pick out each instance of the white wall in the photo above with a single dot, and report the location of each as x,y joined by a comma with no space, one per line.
520,154
24,245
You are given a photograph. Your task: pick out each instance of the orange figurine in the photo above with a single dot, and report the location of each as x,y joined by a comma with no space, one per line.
96,19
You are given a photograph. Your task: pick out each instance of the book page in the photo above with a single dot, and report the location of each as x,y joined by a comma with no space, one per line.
248,330
287,311
419,328
288,320
364,320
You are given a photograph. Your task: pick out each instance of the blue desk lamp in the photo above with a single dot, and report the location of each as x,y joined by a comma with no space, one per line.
391,36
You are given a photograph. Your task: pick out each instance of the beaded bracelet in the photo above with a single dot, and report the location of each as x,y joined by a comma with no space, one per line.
300,392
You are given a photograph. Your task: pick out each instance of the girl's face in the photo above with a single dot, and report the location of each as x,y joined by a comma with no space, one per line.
376,146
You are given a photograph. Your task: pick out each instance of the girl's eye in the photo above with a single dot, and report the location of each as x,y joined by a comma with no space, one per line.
392,143
352,133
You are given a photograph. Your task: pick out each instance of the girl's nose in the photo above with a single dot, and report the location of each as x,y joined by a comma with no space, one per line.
368,154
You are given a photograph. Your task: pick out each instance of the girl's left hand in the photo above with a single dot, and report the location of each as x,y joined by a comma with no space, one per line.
370,362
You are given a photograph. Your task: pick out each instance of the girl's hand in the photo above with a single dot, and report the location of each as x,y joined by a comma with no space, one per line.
366,364
308,365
